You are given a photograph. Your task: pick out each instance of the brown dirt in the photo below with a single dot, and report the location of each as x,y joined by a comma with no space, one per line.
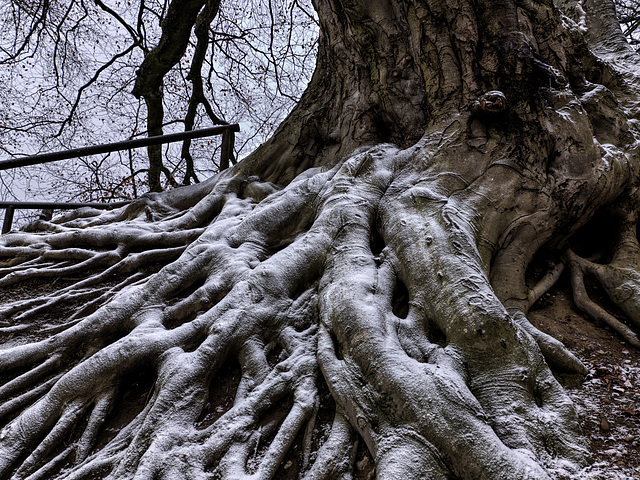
608,399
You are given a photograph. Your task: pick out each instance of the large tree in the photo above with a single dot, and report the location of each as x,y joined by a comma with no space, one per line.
360,278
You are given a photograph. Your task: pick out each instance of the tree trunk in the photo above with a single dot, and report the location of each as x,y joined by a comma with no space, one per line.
359,279
176,30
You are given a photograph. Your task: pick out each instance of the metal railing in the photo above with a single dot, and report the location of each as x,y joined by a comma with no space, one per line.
228,140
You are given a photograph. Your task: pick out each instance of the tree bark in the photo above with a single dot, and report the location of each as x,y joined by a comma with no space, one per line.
361,277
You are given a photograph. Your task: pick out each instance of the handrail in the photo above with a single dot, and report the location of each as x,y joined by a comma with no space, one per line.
228,136
113,147
62,205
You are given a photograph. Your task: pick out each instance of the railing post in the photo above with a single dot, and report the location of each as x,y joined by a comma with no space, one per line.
114,147
8,219
226,150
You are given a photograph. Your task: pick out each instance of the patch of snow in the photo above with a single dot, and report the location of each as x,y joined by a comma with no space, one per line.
622,439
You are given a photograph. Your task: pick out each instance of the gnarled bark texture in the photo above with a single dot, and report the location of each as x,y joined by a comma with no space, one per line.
361,279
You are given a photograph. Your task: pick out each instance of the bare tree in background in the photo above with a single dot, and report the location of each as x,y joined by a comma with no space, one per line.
629,17
67,72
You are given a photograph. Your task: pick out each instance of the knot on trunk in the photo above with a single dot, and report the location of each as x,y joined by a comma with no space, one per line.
491,102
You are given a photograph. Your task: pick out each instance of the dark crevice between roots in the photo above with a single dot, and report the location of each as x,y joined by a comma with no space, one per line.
288,234
275,354
436,335
537,396
194,342
336,346
545,260
269,423
376,243
136,388
171,323
222,392
364,468
292,466
209,218
187,287
275,247
304,287
400,300
324,419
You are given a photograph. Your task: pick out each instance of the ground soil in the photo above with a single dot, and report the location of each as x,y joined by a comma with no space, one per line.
608,399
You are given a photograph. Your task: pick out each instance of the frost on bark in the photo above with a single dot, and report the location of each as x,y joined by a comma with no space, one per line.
360,281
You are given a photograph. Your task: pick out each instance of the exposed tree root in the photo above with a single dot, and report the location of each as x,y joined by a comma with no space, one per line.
305,278
394,278
545,284
591,308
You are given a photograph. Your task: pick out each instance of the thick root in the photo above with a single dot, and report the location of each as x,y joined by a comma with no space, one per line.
357,277
587,305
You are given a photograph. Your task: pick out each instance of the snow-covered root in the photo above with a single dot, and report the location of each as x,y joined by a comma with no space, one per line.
237,274
43,426
273,222
502,378
114,320
277,277
79,243
168,432
331,272
93,299
336,456
293,380
156,241
98,260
